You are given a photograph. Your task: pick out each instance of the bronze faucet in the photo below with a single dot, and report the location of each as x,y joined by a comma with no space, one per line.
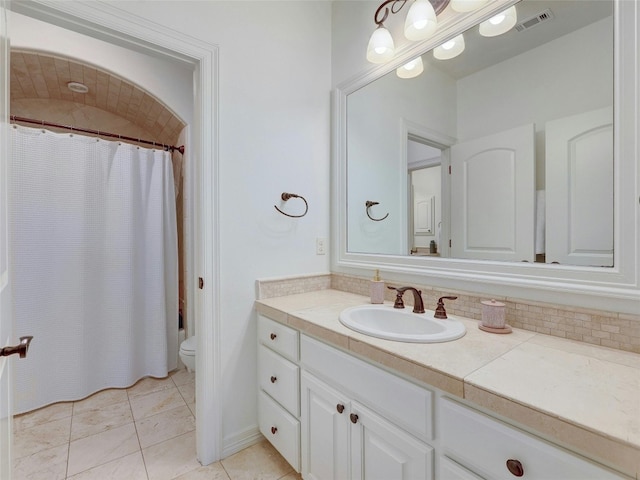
418,305
440,310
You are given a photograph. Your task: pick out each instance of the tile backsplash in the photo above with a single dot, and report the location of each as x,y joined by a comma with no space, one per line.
608,329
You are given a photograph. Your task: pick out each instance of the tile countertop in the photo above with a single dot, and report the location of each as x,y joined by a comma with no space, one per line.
584,396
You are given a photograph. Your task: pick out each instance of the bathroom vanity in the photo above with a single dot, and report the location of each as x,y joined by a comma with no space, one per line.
340,404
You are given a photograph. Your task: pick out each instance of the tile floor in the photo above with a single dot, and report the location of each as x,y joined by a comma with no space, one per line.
144,432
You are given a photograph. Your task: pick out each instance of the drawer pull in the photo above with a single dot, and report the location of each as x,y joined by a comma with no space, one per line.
340,408
354,418
273,379
273,336
274,430
515,467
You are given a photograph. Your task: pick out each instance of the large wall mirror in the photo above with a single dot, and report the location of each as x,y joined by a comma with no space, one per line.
504,152
513,164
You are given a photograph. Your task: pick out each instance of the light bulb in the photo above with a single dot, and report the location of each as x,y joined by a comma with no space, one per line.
449,49
411,69
380,48
500,23
421,21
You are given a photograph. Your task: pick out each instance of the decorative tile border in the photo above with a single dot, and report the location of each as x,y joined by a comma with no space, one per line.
608,329
278,287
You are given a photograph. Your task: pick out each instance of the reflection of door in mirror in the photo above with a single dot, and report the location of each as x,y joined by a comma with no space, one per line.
493,201
425,202
579,189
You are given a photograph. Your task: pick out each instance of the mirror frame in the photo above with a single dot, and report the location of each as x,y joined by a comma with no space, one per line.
616,289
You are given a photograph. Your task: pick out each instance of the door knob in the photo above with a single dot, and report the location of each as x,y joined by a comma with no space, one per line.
20,349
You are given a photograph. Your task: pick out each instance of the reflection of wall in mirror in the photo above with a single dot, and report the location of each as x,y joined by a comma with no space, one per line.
566,76
375,169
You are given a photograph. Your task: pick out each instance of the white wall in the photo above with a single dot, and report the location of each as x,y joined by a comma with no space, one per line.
274,117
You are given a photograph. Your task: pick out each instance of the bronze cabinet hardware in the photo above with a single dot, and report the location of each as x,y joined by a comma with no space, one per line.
21,349
354,418
274,430
340,408
286,196
273,336
274,379
515,467
368,204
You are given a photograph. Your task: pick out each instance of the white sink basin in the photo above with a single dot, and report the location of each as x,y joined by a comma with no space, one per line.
402,325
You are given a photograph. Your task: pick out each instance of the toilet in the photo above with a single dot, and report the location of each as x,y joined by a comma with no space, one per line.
188,353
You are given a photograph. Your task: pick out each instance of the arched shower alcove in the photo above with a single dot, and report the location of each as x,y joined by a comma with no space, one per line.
45,87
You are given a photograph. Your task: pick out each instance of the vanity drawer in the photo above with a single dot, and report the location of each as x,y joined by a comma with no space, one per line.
484,444
278,337
279,378
280,428
400,401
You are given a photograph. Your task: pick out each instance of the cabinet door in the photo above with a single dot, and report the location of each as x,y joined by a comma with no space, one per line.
325,431
380,450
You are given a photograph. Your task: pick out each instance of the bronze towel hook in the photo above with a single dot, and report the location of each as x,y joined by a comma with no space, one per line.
286,196
370,204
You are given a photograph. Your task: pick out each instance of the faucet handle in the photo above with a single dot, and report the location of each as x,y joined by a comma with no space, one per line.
440,310
399,303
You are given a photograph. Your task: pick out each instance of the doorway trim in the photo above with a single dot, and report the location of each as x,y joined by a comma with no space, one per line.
110,24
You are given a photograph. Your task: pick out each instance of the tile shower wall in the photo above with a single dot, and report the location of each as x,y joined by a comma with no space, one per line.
608,329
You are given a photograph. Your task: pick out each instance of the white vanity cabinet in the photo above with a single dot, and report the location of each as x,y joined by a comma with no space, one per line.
335,416
346,419
495,450
279,382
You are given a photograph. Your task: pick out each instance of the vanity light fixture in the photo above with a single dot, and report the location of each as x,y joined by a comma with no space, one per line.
411,69
500,23
449,49
421,23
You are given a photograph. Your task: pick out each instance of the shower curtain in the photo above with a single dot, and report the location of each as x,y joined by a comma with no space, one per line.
94,265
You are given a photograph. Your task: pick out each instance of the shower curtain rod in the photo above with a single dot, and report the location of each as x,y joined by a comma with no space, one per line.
97,132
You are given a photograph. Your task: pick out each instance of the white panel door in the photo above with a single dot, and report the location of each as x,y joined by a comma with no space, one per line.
5,299
381,451
493,196
579,189
325,431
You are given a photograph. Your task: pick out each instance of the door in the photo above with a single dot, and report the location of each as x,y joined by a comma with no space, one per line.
325,431
579,189
381,451
493,196
5,298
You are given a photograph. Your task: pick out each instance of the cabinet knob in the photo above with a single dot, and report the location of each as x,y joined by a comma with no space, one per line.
273,379
340,408
354,418
273,336
515,467
274,430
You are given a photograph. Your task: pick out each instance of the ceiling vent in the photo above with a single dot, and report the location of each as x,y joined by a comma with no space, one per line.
535,20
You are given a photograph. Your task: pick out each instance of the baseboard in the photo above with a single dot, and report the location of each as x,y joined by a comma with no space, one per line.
240,440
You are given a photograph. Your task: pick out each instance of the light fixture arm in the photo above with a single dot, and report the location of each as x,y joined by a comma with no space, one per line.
394,6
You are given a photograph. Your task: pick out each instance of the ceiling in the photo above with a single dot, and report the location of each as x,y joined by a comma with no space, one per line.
37,75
